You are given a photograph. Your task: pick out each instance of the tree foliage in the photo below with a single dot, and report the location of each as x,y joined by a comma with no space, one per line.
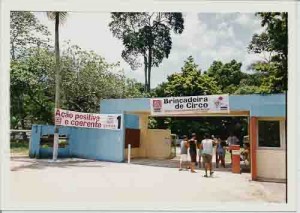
228,75
26,32
190,81
146,36
86,77
273,45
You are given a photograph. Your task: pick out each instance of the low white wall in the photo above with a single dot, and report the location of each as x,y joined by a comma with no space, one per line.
271,164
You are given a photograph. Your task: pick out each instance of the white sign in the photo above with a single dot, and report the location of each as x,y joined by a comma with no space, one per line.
236,152
205,104
87,120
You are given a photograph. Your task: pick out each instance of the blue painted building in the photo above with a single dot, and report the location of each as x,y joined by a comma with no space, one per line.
109,145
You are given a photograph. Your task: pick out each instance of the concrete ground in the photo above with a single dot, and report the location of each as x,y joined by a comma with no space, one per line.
75,181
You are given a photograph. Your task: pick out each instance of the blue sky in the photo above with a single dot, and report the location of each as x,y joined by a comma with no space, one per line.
207,37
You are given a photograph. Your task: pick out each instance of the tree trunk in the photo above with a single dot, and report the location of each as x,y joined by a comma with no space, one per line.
146,67
57,62
149,69
13,52
22,115
24,136
57,85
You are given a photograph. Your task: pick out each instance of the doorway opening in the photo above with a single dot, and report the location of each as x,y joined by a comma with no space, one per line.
160,136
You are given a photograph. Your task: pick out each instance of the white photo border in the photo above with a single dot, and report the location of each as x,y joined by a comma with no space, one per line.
148,5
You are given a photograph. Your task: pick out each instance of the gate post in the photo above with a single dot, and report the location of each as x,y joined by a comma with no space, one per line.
253,146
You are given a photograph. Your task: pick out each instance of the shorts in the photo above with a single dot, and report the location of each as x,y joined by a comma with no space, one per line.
183,157
193,158
221,154
207,158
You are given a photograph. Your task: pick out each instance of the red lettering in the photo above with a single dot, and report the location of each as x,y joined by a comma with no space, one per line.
57,112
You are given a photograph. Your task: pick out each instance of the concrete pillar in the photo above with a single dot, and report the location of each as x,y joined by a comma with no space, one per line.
253,147
143,123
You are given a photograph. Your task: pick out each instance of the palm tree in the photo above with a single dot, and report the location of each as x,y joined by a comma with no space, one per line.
57,17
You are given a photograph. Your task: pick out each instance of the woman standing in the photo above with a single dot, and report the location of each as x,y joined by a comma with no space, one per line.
193,151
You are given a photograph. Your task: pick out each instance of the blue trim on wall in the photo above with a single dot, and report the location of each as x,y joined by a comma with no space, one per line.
131,121
268,110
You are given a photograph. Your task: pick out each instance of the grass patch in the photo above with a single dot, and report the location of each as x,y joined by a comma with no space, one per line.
19,147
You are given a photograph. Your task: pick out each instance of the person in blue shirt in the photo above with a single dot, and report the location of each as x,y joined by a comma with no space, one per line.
220,152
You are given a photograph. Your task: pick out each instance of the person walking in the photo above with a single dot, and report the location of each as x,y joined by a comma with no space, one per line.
183,153
200,154
220,152
207,152
193,151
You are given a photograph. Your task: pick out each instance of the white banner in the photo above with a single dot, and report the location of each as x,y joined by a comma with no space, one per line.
87,120
188,104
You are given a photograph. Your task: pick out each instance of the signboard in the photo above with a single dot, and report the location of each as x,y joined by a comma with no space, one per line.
188,104
87,120
236,152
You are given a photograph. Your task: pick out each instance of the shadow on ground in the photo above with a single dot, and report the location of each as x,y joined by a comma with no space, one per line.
21,162
173,163
27,163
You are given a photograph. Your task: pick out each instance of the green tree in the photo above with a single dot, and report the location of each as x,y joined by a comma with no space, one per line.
146,35
273,44
25,32
190,81
57,17
86,79
32,82
228,76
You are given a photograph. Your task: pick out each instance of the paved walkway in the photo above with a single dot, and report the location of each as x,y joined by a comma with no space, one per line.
74,181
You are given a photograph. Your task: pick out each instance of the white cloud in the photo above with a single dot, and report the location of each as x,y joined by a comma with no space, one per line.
244,19
225,31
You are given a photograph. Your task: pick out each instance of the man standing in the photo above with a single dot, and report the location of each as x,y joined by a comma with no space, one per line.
200,154
183,152
193,151
207,152
232,140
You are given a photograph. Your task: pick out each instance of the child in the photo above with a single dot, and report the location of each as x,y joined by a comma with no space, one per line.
183,152
220,153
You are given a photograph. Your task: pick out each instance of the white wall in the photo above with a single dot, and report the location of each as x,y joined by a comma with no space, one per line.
271,164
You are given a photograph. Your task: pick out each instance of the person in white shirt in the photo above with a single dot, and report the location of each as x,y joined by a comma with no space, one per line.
232,139
183,152
207,152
